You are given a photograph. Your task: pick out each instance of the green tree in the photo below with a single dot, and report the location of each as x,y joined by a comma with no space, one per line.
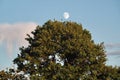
110,73
5,75
11,74
62,51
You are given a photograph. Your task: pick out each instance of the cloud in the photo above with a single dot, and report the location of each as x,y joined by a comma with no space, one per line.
112,45
115,52
113,48
12,35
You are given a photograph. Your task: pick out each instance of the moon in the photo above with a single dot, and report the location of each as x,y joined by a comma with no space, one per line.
66,15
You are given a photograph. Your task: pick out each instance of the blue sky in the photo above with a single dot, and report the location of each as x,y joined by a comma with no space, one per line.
18,17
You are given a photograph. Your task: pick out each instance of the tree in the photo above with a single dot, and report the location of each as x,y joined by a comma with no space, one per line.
5,75
62,51
110,73
11,74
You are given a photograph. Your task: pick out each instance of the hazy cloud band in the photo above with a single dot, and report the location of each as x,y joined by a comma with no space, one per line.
113,48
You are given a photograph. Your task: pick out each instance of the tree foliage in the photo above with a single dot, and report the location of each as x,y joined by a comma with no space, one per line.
11,74
60,50
64,51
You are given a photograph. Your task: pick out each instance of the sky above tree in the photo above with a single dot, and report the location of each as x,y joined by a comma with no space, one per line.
17,18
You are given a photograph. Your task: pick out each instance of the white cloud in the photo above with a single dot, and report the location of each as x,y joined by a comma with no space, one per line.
14,34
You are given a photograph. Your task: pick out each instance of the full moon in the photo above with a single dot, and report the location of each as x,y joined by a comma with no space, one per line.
66,15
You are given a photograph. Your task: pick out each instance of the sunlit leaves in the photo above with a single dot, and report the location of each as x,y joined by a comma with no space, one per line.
63,51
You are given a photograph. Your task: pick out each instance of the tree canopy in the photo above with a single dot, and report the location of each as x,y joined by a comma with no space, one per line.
63,51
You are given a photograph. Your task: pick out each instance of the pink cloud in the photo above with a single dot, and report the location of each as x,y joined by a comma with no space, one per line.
14,34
